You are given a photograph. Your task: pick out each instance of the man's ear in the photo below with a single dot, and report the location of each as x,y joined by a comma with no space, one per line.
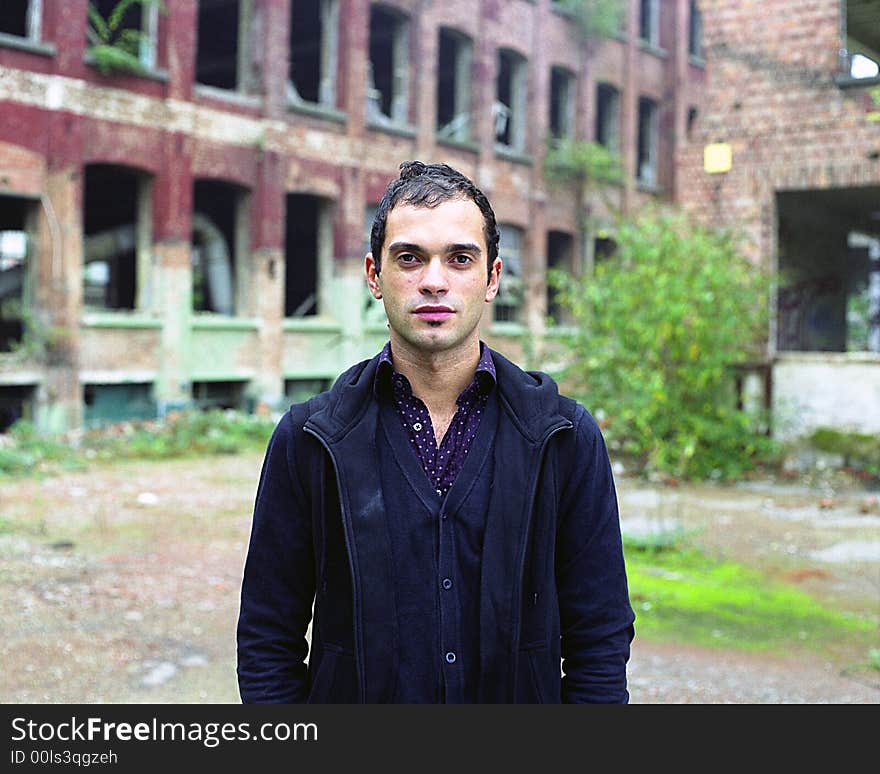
494,279
372,273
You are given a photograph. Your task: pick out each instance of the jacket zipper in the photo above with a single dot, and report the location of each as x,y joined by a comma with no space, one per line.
358,651
522,562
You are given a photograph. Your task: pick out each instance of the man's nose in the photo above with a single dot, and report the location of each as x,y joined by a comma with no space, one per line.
433,279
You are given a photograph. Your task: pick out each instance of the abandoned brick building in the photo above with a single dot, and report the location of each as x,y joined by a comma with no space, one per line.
789,117
195,233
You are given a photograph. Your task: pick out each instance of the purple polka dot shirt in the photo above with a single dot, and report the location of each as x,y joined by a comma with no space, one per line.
441,464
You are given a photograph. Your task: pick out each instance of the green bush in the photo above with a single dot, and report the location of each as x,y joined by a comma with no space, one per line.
657,331
859,450
24,451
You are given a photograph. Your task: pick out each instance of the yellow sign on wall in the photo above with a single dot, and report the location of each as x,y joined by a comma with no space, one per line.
717,157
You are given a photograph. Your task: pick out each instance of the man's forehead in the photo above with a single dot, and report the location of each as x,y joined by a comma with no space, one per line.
457,213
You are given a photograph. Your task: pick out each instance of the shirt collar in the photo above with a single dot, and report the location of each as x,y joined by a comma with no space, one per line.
484,376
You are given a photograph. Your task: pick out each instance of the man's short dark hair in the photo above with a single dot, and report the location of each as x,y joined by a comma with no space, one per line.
428,185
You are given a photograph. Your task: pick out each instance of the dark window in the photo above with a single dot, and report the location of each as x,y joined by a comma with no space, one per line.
561,103
607,116
646,168
110,225
453,85
14,18
217,45
301,249
216,240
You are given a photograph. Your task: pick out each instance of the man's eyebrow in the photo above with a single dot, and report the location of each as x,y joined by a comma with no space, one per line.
456,247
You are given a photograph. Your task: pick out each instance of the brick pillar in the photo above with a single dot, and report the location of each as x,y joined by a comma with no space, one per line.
174,307
172,229
266,280
58,297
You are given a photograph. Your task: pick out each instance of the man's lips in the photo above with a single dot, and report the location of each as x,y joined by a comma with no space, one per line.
432,313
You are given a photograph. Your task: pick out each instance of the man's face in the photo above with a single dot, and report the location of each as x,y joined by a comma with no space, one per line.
433,279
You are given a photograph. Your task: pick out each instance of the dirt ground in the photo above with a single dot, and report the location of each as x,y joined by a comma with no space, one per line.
120,584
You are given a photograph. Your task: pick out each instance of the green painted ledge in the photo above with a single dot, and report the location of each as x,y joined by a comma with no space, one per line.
119,320
219,322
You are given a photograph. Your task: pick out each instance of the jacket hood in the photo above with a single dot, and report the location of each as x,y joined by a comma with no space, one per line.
534,394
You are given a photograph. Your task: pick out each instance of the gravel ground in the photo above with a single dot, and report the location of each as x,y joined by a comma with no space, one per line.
121,584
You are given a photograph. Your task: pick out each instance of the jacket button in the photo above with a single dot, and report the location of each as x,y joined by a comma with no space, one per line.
450,657
447,583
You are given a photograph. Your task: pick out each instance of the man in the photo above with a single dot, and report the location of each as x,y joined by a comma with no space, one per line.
450,518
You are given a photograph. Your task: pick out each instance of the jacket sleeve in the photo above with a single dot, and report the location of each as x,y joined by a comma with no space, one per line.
595,612
278,585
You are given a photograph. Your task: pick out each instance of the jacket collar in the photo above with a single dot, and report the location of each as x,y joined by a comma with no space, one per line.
529,397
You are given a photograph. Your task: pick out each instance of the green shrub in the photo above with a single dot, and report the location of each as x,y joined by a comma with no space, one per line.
859,450
656,332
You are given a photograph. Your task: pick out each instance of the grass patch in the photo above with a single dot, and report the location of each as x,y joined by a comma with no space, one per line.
682,595
26,452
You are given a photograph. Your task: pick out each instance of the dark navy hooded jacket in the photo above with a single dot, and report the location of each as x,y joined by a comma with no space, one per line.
555,621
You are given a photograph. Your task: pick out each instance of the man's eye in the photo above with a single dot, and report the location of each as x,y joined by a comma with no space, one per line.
462,259
407,258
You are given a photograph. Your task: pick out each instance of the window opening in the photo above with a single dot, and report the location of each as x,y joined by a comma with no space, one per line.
141,17
219,395
646,167
695,31
608,116
510,101
16,241
453,85
313,52
218,241
16,402
21,18
560,255
561,103
860,52
108,403
649,21
222,44
116,225
388,67
829,262
302,248
510,292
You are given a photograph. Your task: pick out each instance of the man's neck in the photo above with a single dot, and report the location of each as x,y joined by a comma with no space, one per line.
437,378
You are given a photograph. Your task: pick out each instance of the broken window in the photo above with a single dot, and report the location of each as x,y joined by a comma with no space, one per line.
219,395
560,256
649,21
117,223
829,264
16,402
509,109
646,161
314,42
608,116
508,302
562,98
16,229
219,243
307,244
223,47
21,18
388,66
108,403
695,31
861,46
454,55
141,17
